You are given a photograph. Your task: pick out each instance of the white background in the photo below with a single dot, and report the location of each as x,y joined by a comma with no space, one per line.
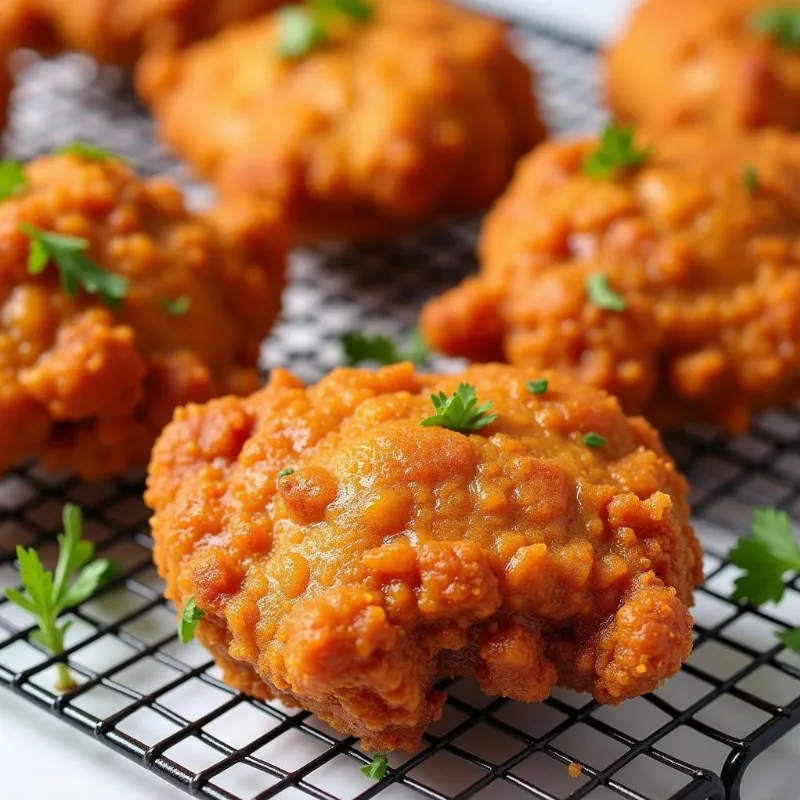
43,759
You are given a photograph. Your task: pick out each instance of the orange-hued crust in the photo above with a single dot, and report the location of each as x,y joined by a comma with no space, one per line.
419,113
88,388
395,552
710,271
118,31
5,93
689,61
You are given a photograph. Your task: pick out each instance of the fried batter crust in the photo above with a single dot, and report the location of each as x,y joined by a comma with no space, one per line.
395,553
118,31
419,113
87,388
683,61
709,267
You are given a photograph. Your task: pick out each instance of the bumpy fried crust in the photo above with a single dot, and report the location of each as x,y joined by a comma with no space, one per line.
88,388
395,553
118,31
683,61
421,112
708,264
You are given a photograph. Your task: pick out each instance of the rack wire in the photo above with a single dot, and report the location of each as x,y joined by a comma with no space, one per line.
164,705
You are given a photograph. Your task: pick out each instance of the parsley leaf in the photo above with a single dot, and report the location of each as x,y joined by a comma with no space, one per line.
360,347
538,387
750,179
89,152
376,769
617,153
12,178
593,439
602,295
177,307
791,639
302,29
190,619
781,23
765,558
299,32
47,594
68,254
459,412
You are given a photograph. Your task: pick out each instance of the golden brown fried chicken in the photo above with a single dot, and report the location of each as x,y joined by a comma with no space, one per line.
86,386
5,93
703,246
716,61
419,113
118,31
345,555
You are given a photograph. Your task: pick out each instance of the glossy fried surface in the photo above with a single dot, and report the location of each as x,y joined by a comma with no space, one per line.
118,31
86,387
686,61
707,259
419,113
394,553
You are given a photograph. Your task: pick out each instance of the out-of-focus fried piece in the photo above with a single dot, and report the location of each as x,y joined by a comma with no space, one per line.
87,386
714,61
702,245
345,555
118,31
418,113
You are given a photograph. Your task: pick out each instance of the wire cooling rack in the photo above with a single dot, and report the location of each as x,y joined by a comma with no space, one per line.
164,705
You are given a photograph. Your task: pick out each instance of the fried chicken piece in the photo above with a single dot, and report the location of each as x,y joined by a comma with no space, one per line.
87,387
119,31
345,555
702,243
684,61
419,113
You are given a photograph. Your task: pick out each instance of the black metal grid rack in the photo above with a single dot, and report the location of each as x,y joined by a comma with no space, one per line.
163,705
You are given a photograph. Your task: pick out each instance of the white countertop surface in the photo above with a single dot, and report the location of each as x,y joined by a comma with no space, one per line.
43,759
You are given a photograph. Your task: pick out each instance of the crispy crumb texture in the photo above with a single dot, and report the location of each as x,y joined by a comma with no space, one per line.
419,113
683,61
395,553
118,31
87,387
706,263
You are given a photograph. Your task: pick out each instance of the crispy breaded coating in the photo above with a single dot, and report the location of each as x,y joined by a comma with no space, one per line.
119,31
702,243
692,61
87,387
419,113
394,553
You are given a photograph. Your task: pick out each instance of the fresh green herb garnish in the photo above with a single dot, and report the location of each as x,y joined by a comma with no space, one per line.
284,473
781,23
12,178
360,347
460,412
538,387
90,152
593,439
302,29
190,619
750,179
68,254
617,153
766,557
47,594
376,769
177,307
602,295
